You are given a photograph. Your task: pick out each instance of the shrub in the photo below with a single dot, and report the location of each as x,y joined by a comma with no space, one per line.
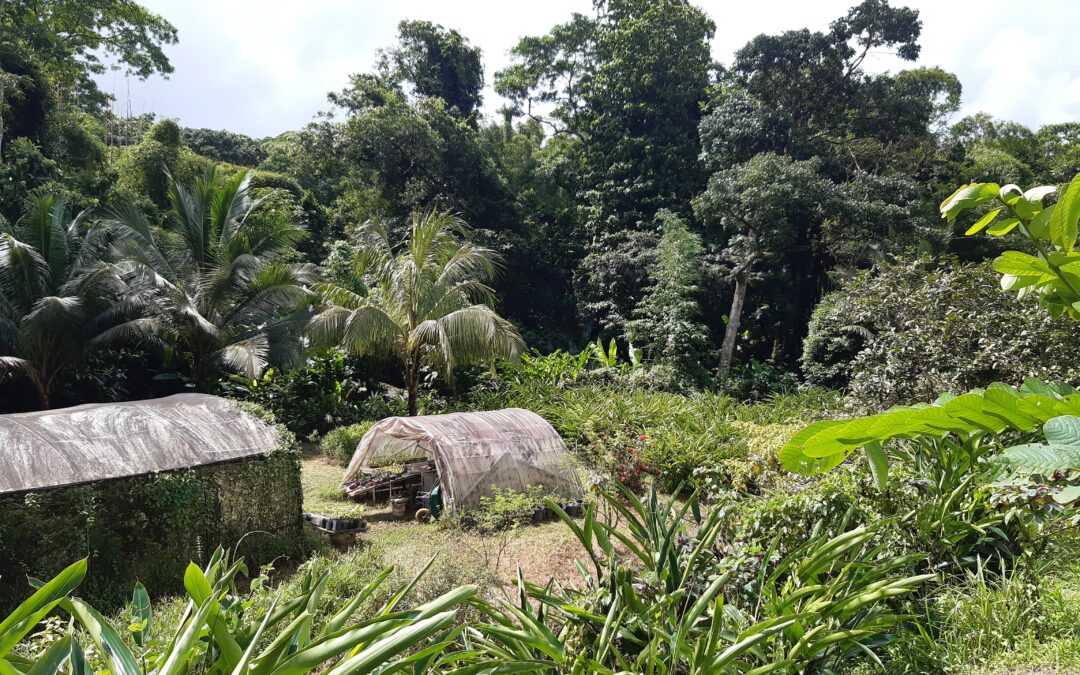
340,444
330,390
910,331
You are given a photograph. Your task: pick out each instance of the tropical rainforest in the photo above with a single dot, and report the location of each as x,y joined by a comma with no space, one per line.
808,333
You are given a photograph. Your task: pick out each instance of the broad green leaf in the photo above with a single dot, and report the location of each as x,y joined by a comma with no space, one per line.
1063,222
1064,430
1036,194
1003,228
982,222
196,584
1022,264
966,197
1010,194
1039,227
32,610
1067,495
1041,458
794,459
119,658
141,614
54,657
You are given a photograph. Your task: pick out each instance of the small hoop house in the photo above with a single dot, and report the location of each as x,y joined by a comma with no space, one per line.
473,453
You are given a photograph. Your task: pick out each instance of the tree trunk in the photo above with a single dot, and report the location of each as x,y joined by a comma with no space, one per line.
412,385
3,83
727,351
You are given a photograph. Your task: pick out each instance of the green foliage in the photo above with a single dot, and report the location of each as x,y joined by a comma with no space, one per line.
55,286
667,322
507,509
329,390
682,432
905,332
146,171
224,146
666,607
437,62
627,85
977,414
224,631
74,40
339,444
558,368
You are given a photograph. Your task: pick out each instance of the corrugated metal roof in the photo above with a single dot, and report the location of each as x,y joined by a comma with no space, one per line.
100,441
476,452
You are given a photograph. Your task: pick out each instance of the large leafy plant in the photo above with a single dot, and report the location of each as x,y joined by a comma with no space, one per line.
979,414
1054,271
653,600
222,631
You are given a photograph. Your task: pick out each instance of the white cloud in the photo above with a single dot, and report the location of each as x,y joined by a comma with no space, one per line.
263,67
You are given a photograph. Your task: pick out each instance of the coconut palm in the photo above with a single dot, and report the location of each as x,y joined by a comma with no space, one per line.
216,281
55,292
425,302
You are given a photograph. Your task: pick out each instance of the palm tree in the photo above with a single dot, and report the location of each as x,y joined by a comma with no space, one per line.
425,302
55,292
216,282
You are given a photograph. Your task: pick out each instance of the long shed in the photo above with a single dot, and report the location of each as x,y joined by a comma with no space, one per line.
103,441
141,488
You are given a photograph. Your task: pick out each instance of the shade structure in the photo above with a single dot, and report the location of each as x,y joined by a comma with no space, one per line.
102,441
474,453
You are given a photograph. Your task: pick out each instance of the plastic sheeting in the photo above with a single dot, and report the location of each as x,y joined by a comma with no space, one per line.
100,441
474,452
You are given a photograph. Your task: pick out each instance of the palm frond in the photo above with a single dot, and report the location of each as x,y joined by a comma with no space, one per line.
24,274
246,357
145,329
478,334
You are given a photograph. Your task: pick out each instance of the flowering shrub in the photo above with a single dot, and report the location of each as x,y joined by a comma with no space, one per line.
624,455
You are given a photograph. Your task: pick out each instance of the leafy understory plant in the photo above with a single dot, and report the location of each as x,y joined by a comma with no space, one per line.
665,610
221,632
981,413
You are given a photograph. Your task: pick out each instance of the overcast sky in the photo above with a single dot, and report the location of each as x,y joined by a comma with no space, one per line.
262,67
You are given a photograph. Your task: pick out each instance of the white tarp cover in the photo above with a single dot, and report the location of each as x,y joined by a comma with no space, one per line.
99,441
473,452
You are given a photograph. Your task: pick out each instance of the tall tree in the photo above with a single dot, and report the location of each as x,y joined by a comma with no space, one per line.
628,84
798,111
667,321
767,213
426,302
56,289
71,40
437,63
218,283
